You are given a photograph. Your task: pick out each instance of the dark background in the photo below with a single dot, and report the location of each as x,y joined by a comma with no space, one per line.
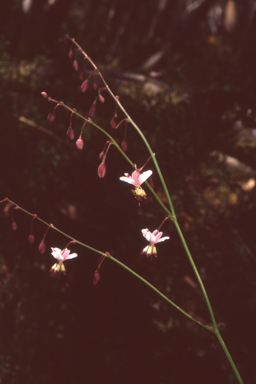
197,110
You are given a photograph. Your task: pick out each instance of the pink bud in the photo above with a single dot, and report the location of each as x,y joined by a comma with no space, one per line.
81,76
101,155
101,99
70,54
51,116
31,238
70,133
42,247
14,225
96,277
124,145
92,109
102,170
75,65
113,123
95,86
44,94
79,143
84,86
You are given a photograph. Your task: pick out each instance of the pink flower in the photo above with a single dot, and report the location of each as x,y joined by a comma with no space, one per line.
153,239
61,256
137,179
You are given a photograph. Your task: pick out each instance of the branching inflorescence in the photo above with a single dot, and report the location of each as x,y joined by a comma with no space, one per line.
136,179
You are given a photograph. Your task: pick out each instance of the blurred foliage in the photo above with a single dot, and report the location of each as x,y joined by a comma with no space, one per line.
184,70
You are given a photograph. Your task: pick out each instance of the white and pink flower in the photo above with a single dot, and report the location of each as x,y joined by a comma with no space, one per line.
61,256
152,238
137,179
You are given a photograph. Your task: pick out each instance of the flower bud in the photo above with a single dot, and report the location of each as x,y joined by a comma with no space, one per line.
70,133
31,238
79,143
44,94
95,86
102,170
101,99
101,155
96,277
75,65
14,225
70,54
124,145
113,123
84,86
92,109
42,247
51,116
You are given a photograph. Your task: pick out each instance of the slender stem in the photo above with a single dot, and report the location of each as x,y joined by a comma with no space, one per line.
56,229
118,147
173,214
221,341
106,254
160,293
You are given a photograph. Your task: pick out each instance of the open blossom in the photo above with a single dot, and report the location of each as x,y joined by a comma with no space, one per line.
137,179
153,238
61,256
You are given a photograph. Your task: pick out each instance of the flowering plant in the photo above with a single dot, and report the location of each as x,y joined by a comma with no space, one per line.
136,179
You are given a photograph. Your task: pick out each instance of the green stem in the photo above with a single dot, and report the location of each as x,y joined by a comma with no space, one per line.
221,341
106,254
173,214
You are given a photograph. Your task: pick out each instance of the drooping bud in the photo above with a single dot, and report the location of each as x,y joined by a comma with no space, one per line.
95,86
44,94
79,143
75,65
113,123
31,238
70,133
51,116
101,155
102,170
92,109
14,225
42,247
96,277
124,145
84,86
101,99
70,54
81,76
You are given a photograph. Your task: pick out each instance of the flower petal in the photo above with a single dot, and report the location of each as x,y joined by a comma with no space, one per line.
127,179
65,253
135,176
146,234
56,252
144,176
71,256
163,239
158,236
